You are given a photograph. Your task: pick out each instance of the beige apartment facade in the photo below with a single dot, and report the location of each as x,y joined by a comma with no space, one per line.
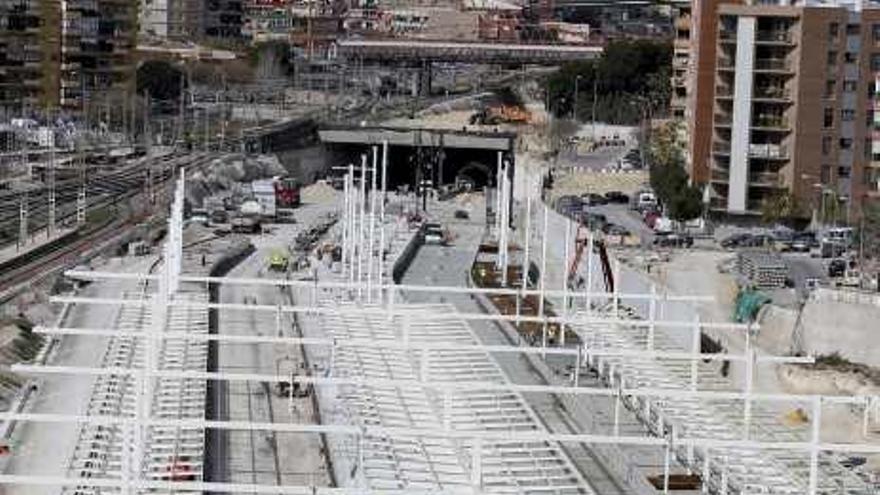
780,105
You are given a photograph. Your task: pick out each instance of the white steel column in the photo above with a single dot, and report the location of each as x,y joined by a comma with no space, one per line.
346,218
498,199
362,206
543,281
565,275
737,192
382,213
372,235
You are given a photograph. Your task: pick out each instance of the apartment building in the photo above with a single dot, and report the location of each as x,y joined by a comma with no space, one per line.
30,52
98,39
780,101
61,53
681,57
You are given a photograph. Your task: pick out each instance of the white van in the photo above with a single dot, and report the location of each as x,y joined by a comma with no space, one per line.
644,199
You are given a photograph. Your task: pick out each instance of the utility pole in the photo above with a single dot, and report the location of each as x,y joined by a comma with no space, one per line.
81,196
50,226
182,101
23,220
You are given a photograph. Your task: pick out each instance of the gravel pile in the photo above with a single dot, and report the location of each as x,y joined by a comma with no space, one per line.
228,172
319,193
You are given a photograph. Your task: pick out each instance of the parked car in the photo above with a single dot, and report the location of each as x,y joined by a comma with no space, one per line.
836,268
673,239
433,234
594,221
736,240
593,199
614,229
616,197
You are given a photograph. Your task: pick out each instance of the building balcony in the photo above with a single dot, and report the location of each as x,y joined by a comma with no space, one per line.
683,22
725,63
721,148
725,92
772,65
768,151
765,179
770,123
772,94
774,37
723,120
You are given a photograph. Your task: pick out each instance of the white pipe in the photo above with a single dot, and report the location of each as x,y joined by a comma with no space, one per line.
565,275
414,346
98,275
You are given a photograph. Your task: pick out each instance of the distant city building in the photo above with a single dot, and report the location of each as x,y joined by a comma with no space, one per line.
63,53
267,20
780,101
223,18
98,39
172,19
30,53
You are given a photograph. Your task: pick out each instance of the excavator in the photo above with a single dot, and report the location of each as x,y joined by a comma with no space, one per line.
582,240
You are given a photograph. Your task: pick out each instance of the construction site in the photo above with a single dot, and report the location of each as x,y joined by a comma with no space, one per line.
395,268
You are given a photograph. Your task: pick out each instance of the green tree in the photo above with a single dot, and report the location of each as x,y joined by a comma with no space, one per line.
630,78
869,230
779,207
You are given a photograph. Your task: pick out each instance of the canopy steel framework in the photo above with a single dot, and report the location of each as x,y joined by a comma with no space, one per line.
467,428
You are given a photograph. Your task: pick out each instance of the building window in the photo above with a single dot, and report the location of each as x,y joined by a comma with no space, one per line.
875,32
843,172
852,29
830,88
849,57
845,143
849,85
832,58
868,148
847,115
875,61
828,120
825,174
833,31
826,145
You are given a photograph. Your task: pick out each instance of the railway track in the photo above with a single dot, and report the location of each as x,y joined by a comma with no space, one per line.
41,263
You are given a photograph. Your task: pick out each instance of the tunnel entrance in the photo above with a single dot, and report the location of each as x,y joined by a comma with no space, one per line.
434,158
